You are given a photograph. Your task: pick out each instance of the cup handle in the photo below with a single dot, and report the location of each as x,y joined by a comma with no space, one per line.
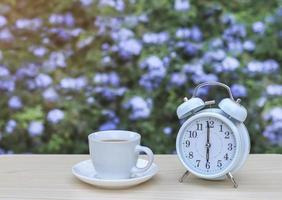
150,156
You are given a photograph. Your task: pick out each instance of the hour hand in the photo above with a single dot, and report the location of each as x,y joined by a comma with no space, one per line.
208,154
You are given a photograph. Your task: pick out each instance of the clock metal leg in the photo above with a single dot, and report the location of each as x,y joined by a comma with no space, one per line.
230,176
183,176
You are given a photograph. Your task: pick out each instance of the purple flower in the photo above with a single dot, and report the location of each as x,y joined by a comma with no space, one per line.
178,79
200,78
167,130
130,47
74,83
143,18
35,128
108,126
148,83
69,19
2,151
255,66
235,30
90,100
6,35
111,115
86,2
50,94
215,55
56,59
274,90
8,85
194,68
238,90
266,67
230,64
270,65
43,80
110,93
249,45
181,5
155,38
39,51
4,71
216,43
258,27
10,126
15,103
155,74
117,4
166,61
122,34
30,70
274,114
76,32
155,67
106,60
105,46
183,33
204,91
30,24
56,19
235,47
3,21
107,78
191,49
140,108
261,101
152,62
54,116
196,34
104,23
273,132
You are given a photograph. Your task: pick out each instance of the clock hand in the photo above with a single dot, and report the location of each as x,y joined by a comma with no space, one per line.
208,143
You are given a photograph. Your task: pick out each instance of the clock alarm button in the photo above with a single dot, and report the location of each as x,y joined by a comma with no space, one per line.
189,107
233,109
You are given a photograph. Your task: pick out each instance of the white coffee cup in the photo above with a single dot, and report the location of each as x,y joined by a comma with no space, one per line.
114,154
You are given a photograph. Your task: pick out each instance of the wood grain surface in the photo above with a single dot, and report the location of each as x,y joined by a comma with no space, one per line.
46,177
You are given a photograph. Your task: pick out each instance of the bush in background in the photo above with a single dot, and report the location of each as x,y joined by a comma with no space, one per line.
69,68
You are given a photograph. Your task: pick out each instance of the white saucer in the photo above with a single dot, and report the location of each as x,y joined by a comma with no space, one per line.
85,172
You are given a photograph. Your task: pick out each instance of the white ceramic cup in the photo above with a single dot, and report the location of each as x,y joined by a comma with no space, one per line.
113,159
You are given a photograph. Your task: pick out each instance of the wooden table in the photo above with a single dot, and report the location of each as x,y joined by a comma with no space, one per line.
49,177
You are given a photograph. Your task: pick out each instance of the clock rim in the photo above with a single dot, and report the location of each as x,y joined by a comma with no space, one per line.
218,115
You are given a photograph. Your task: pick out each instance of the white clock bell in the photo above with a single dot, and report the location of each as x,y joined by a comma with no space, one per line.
212,143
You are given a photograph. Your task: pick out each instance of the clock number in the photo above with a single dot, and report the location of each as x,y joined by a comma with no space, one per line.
210,124
230,146
208,165
220,130
219,163
227,135
187,143
199,127
198,163
192,134
191,154
226,156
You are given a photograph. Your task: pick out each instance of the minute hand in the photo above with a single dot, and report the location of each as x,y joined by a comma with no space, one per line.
208,143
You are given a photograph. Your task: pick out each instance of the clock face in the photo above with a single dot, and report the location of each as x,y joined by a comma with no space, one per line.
207,145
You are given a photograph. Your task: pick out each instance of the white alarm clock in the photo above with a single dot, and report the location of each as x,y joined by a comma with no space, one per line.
212,143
